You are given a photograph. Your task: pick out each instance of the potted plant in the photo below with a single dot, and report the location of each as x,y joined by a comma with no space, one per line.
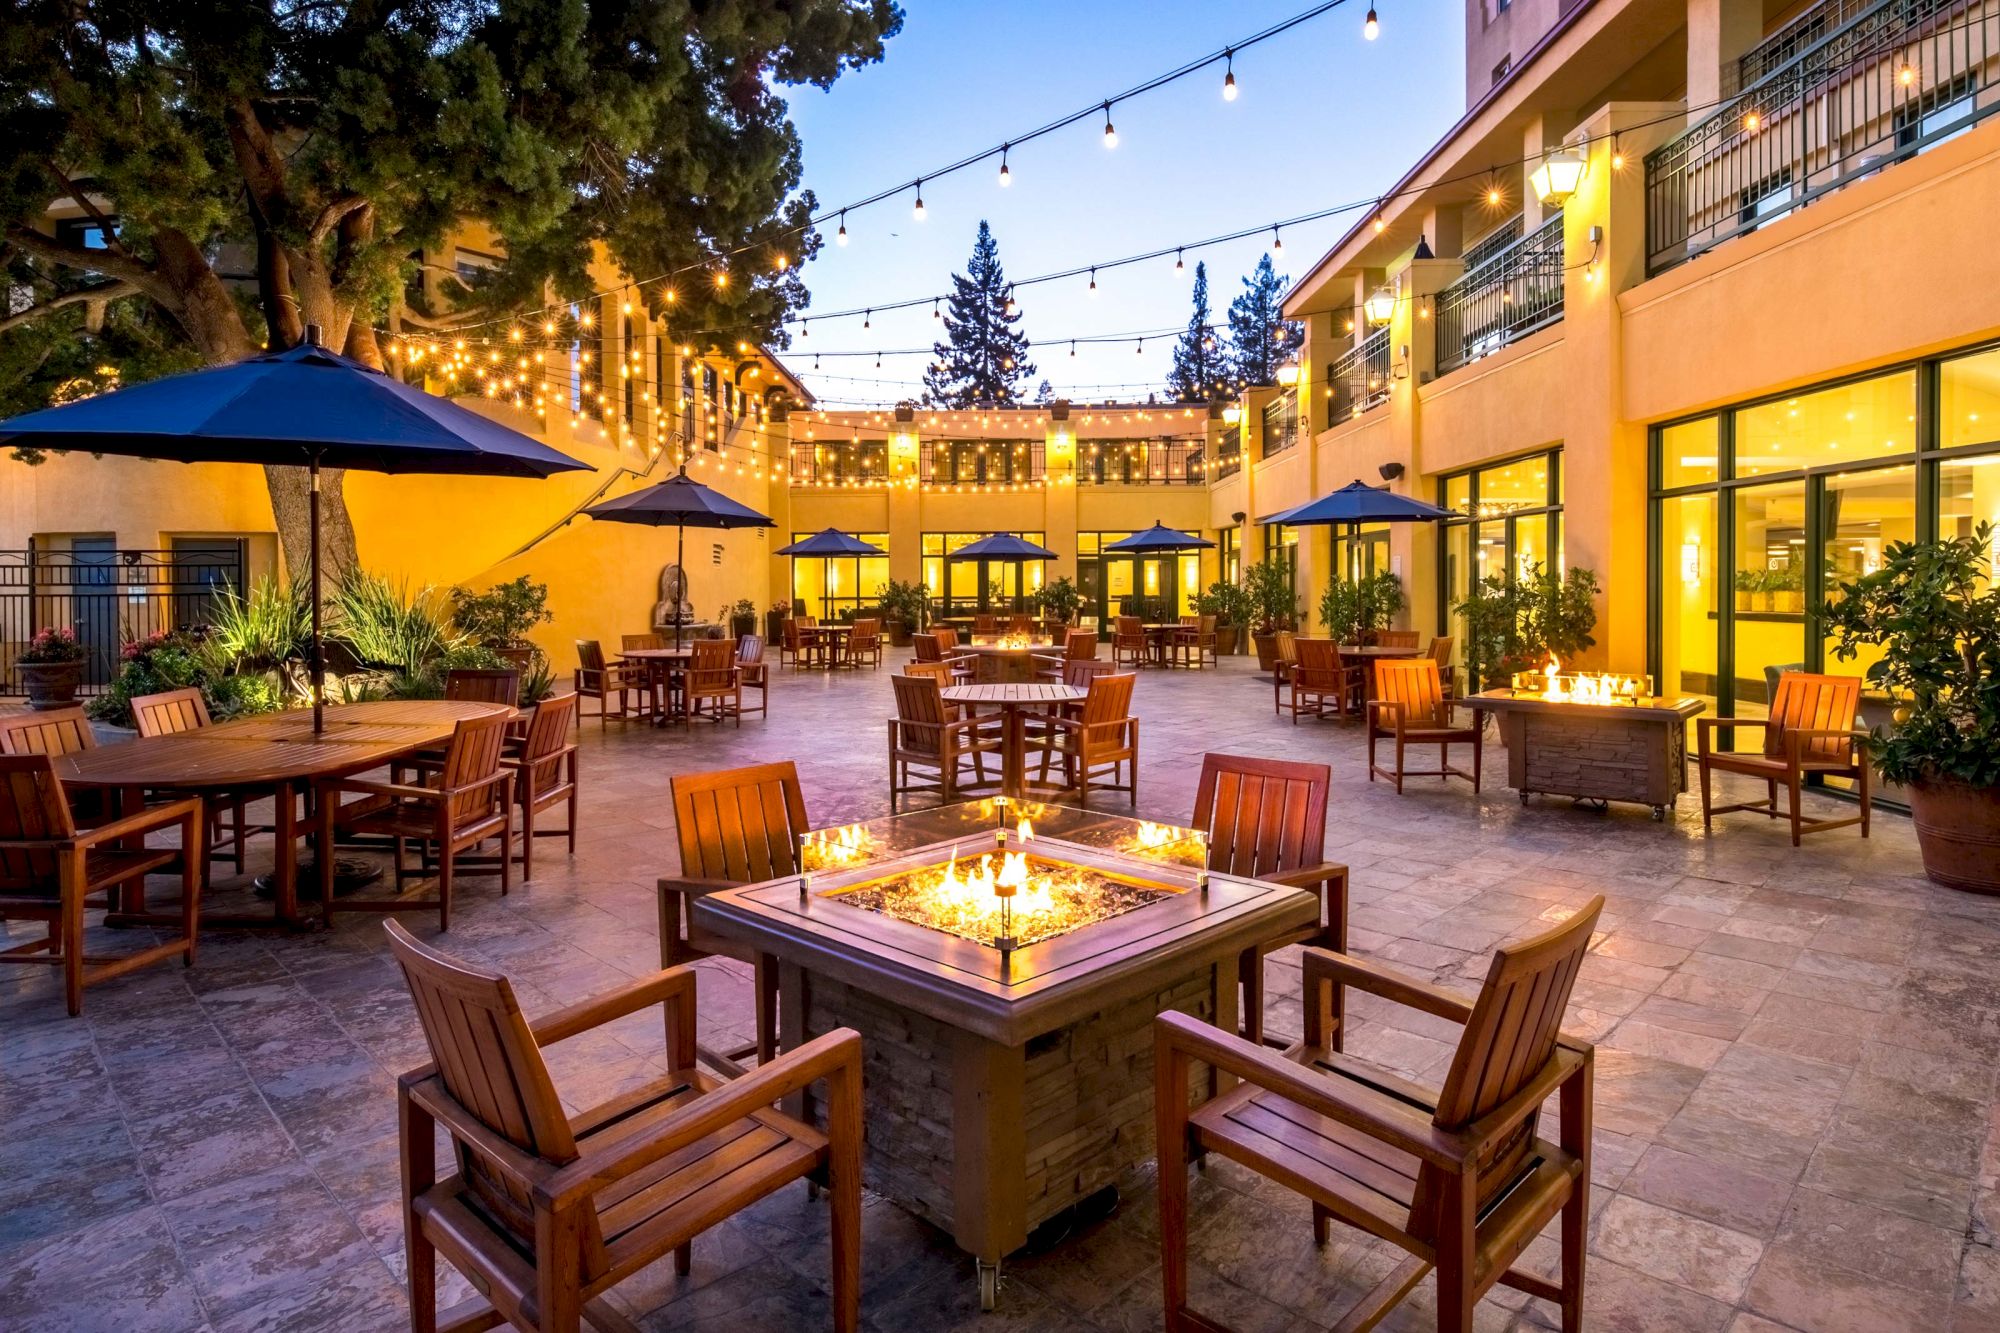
1272,608
774,620
1933,611
742,618
52,668
1058,602
904,606
1516,625
1230,605
499,618
1352,612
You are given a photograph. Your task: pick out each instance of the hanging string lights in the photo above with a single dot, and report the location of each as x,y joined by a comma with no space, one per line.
1371,28
1110,133
919,210
1006,176
1229,75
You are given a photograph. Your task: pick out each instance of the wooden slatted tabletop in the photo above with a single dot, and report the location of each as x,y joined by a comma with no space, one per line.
1013,699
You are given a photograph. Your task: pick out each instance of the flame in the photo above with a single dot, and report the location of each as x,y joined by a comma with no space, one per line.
1024,830
832,848
1152,835
1588,687
984,898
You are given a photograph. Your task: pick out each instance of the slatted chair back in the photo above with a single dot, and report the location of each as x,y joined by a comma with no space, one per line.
927,647
490,1064
169,713
32,809
1110,698
1130,632
808,622
474,753
548,736
985,624
1020,624
56,732
741,825
1318,666
634,643
750,650
711,665
1083,670
1806,702
1414,683
1286,647
1262,816
866,634
937,671
483,685
1441,649
794,640
919,699
589,655
1506,1042
1398,638
1080,645
947,637
1191,622
1206,624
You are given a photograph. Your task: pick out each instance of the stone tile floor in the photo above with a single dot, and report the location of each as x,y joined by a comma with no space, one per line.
1797,1123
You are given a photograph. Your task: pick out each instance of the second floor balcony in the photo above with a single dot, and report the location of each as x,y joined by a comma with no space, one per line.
1358,379
1503,299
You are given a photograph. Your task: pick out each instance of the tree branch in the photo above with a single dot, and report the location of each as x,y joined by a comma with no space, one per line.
104,223
103,262
110,291
333,214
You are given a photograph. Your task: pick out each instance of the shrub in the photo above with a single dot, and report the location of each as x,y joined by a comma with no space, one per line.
501,616
1229,603
1516,626
1058,599
1352,611
1273,604
175,660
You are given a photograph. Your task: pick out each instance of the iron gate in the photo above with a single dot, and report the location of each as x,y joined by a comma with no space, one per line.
108,597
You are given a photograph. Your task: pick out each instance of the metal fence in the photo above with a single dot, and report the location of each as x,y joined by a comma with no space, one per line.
1281,422
1872,86
107,598
1359,380
1228,454
1503,300
1166,462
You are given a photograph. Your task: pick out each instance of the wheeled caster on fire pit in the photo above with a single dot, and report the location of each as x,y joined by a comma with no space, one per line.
989,1285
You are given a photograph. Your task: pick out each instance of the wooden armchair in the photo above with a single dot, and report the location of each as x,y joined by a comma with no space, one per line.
546,1212
596,680
1103,733
1459,1176
1194,642
1266,819
170,713
1396,638
864,643
467,801
484,685
57,732
924,736
1284,659
713,685
1410,708
634,643
1128,642
735,826
792,644
544,771
935,648
755,672
1810,730
1079,645
1320,677
50,870
1021,624
985,624
1441,649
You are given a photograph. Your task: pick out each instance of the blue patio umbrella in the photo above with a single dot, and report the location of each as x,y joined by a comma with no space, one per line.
1002,546
1158,539
681,502
831,542
1357,503
306,407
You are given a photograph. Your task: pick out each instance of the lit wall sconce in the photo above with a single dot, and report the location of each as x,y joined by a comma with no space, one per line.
1232,414
1690,562
1288,373
1380,307
1558,176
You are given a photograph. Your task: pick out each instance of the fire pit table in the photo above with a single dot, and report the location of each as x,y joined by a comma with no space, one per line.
1003,963
1593,737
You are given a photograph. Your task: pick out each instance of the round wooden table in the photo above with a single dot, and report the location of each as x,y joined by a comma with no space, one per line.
660,666
275,752
1014,702
826,640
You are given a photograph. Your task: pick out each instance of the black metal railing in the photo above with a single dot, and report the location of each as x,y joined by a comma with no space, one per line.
1139,463
107,598
1281,422
1228,454
1503,300
1873,85
842,463
1359,379
981,462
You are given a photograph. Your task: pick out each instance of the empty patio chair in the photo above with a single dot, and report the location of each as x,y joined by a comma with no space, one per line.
1458,1176
937,646
1441,649
714,686
545,776
1128,642
1321,678
57,732
1410,708
1194,643
1810,731
639,643
1021,624
1101,735
485,685
925,736
1396,638
756,672
596,680
985,624
864,643
171,713
544,1212
1284,657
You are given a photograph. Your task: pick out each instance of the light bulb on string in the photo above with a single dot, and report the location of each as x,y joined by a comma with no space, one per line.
935,312
1093,280
721,279
1180,263
1370,26
1006,176
1381,223
1110,134
1277,241
1229,77
1617,155
840,237
918,211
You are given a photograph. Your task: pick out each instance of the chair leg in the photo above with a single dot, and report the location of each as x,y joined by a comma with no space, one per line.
445,856
527,841
1792,803
767,1008
1322,1220
1867,797
1707,802
1250,970
72,944
1170,1072
506,847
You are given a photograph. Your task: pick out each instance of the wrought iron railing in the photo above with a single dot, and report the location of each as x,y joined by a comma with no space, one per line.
1359,379
108,598
839,463
1139,463
1877,84
1228,454
1281,422
1503,300
981,462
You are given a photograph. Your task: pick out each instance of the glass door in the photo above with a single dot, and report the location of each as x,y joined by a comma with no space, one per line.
1769,586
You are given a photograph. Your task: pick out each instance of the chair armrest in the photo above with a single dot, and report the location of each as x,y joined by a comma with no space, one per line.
673,983
1377,707
837,1052
498,775
1704,728
1567,1061
427,1090
1306,877
1353,1104
140,821
695,884
1322,967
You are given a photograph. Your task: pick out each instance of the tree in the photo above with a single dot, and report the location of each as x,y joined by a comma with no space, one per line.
319,145
984,358
1199,369
1260,338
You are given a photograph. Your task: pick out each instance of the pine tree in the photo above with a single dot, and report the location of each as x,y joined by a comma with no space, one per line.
984,358
1260,338
1199,369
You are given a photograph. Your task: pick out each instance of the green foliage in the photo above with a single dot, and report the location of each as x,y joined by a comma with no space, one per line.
1273,605
501,616
1516,626
538,682
1200,373
269,630
66,355
174,661
386,626
743,607
908,603
1351,611
1260,338
1933,608
1229,603
984,355
1058,599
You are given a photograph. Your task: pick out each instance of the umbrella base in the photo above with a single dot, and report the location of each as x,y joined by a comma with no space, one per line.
350,874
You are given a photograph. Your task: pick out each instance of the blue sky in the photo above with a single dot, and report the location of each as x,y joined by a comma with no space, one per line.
1322,118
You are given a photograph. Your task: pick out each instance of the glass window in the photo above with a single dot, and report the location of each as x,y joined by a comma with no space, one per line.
1849,423
1690,453
1769,584
1969,400
1689,611
1968,495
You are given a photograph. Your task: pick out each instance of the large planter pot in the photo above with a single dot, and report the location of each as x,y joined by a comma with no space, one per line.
1958,831
774,627
521,659
898,632
1226,641
742,625
1267,651
50,684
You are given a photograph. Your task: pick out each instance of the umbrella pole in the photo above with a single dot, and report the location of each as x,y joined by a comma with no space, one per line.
680,563
312,563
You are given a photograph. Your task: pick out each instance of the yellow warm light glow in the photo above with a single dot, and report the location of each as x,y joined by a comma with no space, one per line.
1589,687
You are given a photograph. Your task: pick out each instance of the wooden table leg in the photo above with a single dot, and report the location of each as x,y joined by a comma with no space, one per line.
1012,780
285,858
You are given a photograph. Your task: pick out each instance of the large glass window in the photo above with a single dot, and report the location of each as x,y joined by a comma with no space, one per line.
1507,519
962,587
1969,400
1116,584
852,584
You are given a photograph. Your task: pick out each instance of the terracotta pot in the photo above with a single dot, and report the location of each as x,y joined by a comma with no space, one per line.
521,659
1267,651
1225,641
1958,831
899,633
50,684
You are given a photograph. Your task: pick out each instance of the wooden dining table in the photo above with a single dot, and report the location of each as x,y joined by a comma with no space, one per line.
1370,654
273,752
826,641
1014,701
660,665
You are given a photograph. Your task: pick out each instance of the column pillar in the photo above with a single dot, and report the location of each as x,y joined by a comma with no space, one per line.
1718,33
